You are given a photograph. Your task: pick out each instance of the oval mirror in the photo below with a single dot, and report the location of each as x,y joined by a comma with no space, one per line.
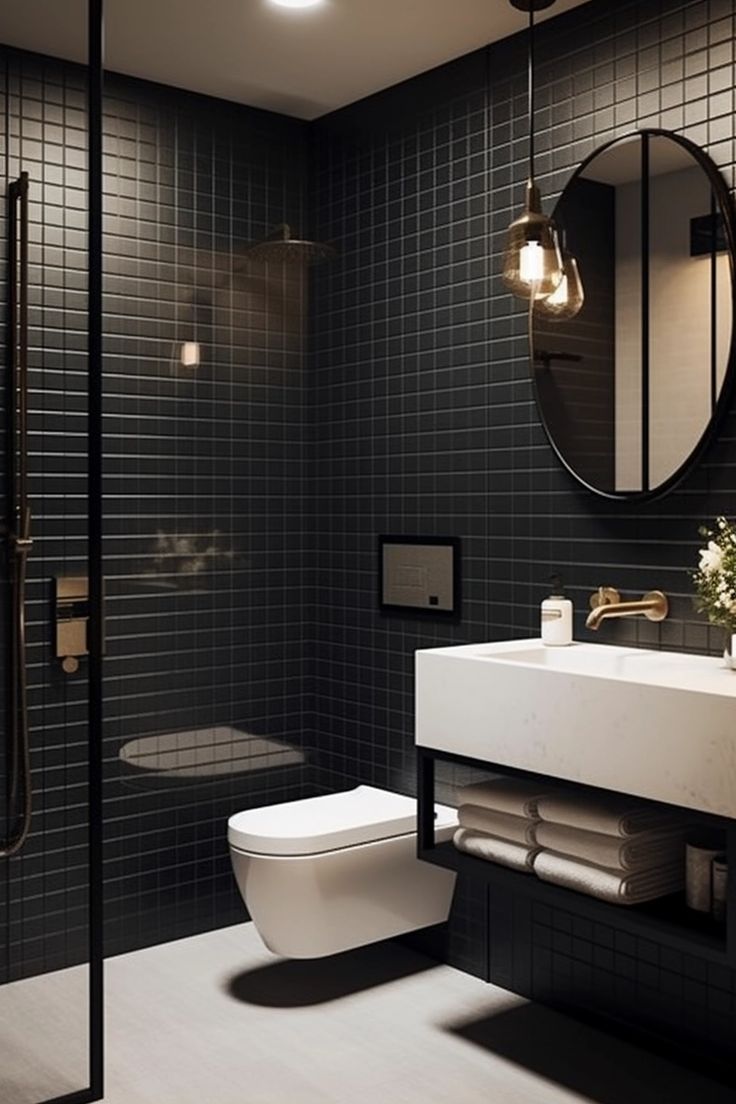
630,388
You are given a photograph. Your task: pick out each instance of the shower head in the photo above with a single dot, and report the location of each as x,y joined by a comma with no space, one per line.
281,248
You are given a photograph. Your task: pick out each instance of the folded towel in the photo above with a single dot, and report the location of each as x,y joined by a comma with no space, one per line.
501,851
515,796
515,828
640,852
610,814
615,886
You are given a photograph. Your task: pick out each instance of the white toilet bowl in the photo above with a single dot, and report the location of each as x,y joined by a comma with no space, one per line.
326,874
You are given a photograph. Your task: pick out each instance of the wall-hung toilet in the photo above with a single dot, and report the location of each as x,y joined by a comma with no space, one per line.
329,873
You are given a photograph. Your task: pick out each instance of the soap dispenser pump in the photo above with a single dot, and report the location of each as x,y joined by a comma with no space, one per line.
557,616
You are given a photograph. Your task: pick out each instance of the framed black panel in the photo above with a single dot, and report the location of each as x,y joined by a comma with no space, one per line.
419,575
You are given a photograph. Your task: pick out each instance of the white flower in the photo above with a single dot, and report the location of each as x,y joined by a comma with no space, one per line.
711,558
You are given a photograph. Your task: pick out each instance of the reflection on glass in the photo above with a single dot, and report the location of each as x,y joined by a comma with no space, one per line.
206,753
567,299
180,560
690,309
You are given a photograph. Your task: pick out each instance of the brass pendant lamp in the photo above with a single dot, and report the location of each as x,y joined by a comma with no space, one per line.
532,263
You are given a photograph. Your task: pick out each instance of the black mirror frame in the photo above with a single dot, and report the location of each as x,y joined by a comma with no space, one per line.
723,196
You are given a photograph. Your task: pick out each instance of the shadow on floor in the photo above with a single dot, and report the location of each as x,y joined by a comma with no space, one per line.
297,983
599,1067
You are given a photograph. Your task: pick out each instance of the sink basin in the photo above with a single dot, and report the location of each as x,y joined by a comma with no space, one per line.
659,725
630,664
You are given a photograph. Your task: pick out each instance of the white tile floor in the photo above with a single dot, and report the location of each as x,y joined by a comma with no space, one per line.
218,1020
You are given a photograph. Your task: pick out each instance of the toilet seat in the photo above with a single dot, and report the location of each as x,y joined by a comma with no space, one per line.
330,822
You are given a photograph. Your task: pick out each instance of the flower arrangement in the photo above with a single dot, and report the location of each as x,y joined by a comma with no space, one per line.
715,578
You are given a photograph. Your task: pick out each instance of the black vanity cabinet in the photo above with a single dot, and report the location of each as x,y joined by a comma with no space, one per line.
659,972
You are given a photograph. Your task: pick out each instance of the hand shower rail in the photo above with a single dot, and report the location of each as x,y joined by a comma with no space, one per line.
20,795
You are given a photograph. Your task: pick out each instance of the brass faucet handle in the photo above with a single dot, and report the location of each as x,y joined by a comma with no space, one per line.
604,596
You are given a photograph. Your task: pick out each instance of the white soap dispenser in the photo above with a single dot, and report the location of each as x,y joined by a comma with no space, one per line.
557,616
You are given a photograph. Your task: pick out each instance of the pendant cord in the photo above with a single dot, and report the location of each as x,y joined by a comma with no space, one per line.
530,92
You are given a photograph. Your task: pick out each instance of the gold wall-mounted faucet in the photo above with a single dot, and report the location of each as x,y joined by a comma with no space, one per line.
606,602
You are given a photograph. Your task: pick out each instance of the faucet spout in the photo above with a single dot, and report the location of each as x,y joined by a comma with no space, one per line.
606,603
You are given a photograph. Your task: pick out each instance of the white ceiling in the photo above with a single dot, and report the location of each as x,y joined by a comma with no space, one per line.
302,63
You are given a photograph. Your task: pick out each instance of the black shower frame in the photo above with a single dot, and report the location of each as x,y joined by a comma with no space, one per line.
95,626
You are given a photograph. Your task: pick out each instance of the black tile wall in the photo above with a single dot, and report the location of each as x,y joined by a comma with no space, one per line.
658,990
204,492
204,496
43,893
427,417
244,497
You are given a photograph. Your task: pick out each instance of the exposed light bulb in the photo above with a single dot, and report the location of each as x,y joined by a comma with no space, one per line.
532,264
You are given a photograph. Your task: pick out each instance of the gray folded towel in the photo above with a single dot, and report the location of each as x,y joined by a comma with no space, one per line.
615,886
515,796
503,852
518,829
610,814
625,853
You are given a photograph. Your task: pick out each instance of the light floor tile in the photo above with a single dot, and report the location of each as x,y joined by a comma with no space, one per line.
217,1019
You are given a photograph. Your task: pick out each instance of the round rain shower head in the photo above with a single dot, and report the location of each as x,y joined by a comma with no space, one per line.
281,248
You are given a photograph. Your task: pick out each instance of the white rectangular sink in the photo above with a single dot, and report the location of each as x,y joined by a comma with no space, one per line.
660,725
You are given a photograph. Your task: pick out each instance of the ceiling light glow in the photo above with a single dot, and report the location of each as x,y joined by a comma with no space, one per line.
297,3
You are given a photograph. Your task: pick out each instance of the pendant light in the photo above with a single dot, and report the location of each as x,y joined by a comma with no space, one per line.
568,297
532,264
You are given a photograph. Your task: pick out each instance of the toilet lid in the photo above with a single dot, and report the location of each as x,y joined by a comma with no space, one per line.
329,822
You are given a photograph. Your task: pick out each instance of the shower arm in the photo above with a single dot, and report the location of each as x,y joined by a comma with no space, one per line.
18,532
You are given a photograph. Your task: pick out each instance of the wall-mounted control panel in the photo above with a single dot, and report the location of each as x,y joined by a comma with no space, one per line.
420,574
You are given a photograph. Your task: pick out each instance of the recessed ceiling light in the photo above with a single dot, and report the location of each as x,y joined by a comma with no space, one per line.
297,3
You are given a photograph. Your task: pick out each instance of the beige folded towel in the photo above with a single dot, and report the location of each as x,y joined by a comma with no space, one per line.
515,828
514,796
640,852
501,851
614,886
612,815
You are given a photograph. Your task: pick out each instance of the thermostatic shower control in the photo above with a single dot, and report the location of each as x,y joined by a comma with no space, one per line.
72,613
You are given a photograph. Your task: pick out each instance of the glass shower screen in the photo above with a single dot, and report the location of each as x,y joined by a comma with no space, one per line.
47,785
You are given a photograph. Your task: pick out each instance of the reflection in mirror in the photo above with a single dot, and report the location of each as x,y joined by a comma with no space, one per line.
628,388
690,306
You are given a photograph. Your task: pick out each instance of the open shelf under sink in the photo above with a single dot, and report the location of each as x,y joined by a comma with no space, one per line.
667,919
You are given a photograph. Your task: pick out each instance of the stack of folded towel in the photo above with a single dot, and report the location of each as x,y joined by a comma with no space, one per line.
615,848
497,821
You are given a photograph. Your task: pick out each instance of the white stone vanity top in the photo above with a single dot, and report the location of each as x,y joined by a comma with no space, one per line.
695,673
659,725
